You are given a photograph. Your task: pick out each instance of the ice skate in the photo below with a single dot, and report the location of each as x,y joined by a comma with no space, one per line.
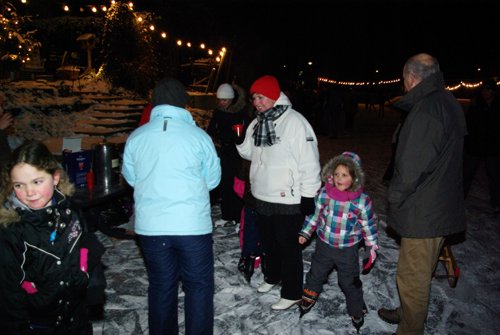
309,298
248,268
358,322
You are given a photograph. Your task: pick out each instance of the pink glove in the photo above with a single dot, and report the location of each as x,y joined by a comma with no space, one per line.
29,287
84,253
369,258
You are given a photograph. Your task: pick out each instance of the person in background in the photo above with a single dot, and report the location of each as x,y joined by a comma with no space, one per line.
5,122
343,218
230,112
482,142
250,242
172,165
284,178
425,194
48,259
146,112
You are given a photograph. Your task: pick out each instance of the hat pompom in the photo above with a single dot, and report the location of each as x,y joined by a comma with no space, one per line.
352,156
267,86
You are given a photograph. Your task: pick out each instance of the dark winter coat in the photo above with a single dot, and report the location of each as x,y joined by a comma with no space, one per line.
221,124
59,306
425,193
483,128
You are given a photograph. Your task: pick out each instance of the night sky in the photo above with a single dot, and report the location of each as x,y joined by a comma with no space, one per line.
346,40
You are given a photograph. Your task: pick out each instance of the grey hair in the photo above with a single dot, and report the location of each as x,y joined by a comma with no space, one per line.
422,66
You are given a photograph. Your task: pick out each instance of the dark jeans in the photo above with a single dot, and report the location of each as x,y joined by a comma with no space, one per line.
252,245
168,260
283,253
346,261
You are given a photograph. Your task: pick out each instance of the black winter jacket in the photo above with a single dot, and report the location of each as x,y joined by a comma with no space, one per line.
44,249
425,193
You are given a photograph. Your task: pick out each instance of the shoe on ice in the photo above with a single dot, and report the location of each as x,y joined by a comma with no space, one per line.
357,322
309,298
265,287
283,304
391,316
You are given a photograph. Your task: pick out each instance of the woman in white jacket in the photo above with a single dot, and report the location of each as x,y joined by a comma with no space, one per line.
284,178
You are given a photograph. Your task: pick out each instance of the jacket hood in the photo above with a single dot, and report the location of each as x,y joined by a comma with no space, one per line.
283,100
9,214
352,162
240,102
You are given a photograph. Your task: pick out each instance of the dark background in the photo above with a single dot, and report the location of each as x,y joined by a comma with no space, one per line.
356,40
345,40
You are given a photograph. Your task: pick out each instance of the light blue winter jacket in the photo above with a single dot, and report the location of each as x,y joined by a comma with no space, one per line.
172,165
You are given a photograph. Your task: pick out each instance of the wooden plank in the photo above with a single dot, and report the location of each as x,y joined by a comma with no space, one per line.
114,115
103,131
117,108
109,122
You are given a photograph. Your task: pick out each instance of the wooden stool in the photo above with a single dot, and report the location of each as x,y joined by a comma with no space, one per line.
448,261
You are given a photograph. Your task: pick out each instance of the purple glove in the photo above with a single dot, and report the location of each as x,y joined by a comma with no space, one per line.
369,258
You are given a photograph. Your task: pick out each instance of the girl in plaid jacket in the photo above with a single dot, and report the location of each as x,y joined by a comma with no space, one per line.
343,218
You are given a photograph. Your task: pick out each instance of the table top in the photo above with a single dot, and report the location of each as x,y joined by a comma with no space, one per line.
84,198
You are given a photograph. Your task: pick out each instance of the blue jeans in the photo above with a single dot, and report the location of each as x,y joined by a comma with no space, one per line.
170,259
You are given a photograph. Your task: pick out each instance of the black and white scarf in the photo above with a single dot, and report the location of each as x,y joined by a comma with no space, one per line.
264,133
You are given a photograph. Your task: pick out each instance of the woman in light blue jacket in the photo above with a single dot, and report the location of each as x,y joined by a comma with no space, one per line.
172,165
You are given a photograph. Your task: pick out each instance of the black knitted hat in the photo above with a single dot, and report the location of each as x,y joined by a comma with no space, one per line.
169,91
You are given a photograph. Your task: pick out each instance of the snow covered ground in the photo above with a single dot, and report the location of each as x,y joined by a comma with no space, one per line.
472,307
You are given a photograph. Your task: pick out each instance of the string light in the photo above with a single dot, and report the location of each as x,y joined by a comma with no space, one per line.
358,83
394,81
141,20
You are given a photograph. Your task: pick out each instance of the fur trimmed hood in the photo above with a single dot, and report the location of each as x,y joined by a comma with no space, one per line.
239,102
8,213
352,162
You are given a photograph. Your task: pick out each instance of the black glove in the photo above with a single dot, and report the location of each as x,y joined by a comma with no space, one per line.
307,205
369,258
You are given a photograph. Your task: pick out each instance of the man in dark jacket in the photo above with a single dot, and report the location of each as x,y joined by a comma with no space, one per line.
425,194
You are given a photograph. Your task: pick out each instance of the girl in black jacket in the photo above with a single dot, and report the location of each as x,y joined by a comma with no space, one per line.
47,258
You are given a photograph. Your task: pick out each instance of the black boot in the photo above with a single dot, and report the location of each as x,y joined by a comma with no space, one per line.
309,298
241,264
249,267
